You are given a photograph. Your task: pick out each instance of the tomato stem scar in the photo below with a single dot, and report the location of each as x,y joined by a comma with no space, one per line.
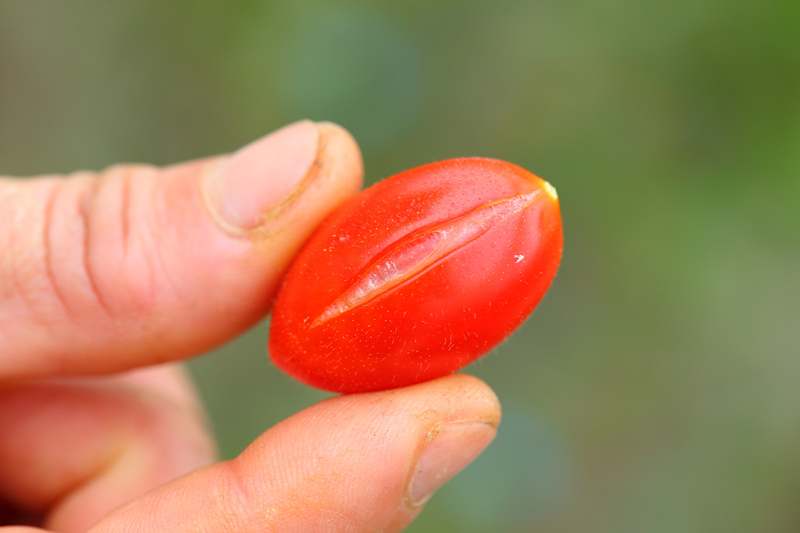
551,190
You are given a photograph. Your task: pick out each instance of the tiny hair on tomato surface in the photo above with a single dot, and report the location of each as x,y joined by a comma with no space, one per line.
417,276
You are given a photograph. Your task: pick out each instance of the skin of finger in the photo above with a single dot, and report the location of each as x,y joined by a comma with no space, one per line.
74,451
132,263
339,466
170,381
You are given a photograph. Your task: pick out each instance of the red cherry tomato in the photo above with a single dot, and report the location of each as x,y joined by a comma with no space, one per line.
417,276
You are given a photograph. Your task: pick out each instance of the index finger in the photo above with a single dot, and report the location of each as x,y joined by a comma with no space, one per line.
139,265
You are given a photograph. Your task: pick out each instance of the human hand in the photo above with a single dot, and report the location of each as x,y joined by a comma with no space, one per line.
107,280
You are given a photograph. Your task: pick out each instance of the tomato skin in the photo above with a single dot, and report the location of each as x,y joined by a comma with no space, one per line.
417,276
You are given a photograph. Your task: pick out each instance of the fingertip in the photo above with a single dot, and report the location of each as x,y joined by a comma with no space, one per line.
349,162
335,175
245,190
467,397
256,190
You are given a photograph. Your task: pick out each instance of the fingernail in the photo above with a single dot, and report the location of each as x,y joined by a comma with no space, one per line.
246,188
449,449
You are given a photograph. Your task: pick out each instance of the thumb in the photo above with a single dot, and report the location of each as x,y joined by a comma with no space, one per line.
138,265
362,462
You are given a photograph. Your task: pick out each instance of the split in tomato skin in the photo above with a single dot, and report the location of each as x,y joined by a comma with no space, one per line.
417,276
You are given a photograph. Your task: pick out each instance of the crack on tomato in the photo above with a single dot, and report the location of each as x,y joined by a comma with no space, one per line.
419,251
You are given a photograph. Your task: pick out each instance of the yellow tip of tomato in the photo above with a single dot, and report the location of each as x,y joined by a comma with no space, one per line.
551,190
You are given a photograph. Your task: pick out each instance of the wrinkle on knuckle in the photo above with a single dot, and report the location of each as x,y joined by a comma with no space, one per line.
80,252
38,269
125,244
49,250
66,242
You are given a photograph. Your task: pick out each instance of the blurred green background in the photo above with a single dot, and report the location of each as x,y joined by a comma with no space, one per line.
657,387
